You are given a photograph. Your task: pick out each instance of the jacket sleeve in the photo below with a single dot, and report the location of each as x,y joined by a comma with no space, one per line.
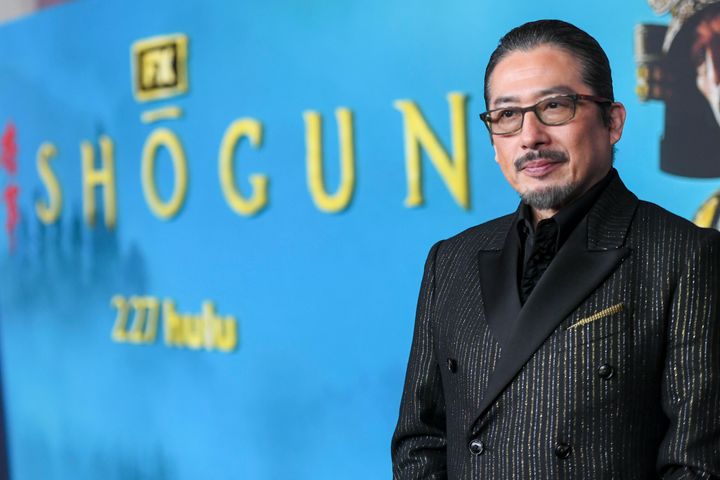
419,443
691,381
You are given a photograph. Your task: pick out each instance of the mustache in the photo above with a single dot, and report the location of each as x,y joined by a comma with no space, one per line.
552,155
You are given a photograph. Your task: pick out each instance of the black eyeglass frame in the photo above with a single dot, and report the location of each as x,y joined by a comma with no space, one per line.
575,97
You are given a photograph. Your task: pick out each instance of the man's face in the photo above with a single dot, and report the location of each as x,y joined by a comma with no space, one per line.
706,52
549,166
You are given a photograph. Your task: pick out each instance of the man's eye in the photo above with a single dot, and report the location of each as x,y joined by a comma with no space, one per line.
508,113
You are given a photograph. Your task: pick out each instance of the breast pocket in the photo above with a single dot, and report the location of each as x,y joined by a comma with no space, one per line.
591,326
595,358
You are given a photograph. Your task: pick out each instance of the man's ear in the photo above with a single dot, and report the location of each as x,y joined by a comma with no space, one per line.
616,115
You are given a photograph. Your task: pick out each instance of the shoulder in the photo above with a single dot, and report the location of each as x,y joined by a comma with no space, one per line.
654,221
666,240
489,235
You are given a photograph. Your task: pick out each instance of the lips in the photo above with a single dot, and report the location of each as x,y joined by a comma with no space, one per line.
538,163
540,167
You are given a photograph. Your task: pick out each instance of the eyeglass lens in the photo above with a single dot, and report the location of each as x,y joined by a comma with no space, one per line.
552,111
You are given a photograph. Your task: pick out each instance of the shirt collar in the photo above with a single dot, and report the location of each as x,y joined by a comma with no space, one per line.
569,216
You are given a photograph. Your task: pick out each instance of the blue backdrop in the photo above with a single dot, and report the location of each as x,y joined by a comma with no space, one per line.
322,302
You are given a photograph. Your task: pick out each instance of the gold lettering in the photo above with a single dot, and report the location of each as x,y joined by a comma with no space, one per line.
315,172
173,324
226,335
194,329
206,330
418,133
139,305
118,332
253,130
220,333
157,67
103,177
49,212
164,137
153,309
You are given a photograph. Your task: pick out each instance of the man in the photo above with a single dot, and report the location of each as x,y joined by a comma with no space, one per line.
578,337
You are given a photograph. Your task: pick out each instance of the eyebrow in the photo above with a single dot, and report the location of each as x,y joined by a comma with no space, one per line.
557,90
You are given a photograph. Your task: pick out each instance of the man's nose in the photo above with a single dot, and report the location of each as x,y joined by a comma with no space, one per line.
534,132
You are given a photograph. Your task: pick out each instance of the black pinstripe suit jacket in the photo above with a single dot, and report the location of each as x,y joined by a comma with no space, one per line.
613,369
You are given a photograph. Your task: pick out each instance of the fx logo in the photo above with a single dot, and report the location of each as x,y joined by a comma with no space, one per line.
160,67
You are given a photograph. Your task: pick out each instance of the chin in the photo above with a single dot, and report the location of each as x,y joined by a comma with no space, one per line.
551,197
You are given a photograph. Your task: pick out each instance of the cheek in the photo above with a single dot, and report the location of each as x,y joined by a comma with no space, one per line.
506,164
503,151
590,159
505,161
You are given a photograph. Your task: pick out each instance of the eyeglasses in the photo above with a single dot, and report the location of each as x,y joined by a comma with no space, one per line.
551,111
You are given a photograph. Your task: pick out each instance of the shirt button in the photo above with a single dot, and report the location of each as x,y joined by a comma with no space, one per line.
563,450
605,371
477,447
452,365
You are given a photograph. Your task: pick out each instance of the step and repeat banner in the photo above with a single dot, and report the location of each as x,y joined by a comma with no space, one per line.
215,214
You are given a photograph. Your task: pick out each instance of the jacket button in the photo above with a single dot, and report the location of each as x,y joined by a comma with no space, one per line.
452,365
605,371
563,450
477,447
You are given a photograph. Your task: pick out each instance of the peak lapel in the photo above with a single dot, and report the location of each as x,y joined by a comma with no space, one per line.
498,283
589,255
498,266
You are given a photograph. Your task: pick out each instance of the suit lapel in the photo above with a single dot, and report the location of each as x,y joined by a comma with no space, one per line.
589,255
498,268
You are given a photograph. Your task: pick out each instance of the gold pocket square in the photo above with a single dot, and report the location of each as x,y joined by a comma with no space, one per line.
598,315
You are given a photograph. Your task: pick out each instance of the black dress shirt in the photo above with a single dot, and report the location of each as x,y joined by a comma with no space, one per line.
539,246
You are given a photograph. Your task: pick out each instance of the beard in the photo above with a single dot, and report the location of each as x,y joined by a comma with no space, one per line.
553,197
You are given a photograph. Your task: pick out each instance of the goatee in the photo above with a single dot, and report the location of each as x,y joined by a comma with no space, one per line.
553,197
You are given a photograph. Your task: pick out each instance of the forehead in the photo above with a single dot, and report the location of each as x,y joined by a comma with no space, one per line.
523,76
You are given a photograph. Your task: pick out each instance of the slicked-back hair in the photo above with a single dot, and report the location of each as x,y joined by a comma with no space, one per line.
595,67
